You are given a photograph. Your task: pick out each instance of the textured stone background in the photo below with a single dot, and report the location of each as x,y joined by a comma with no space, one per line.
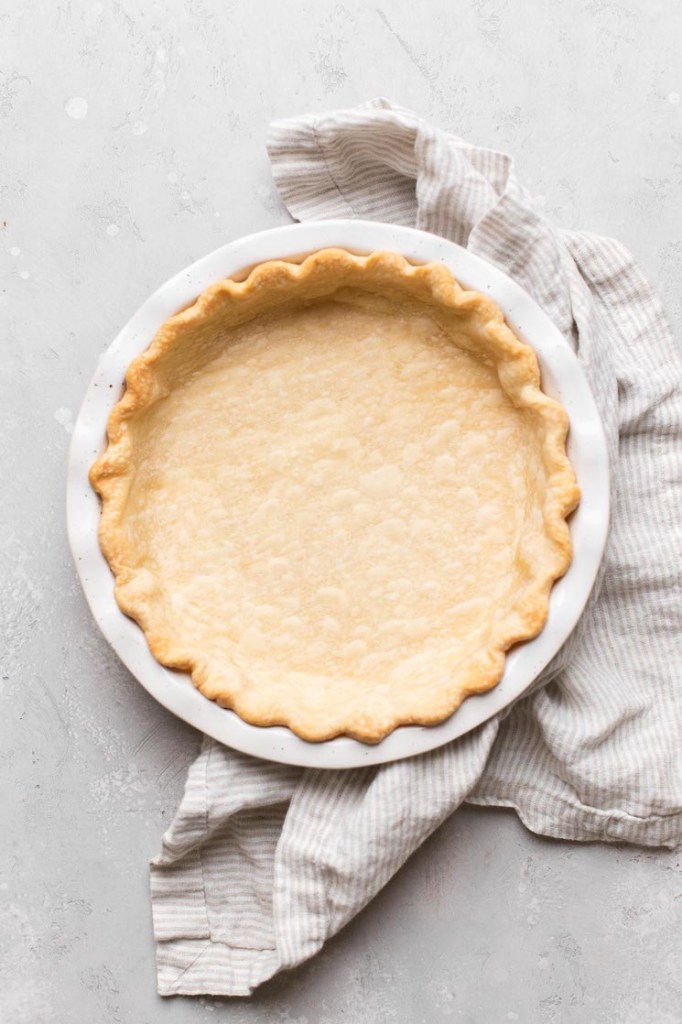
131,142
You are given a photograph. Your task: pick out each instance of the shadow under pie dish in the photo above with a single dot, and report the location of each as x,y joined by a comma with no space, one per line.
336,495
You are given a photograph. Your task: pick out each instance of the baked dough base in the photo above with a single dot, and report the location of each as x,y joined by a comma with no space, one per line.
335,494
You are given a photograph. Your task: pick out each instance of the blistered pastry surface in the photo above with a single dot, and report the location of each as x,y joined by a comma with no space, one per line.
339,513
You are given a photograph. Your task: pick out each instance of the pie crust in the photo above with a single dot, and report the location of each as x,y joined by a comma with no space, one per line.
335,494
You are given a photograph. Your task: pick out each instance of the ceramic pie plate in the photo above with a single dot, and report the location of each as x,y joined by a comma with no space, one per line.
562,378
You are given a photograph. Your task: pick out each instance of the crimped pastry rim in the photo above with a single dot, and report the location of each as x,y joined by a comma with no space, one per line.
522,382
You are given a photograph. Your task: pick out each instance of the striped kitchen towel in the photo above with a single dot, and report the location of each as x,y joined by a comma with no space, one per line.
263,862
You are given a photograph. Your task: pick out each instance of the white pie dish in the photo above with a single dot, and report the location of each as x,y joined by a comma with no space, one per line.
562,379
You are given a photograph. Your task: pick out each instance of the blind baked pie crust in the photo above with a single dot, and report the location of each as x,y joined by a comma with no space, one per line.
335,494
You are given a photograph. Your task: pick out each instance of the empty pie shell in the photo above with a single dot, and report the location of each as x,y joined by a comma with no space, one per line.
335,494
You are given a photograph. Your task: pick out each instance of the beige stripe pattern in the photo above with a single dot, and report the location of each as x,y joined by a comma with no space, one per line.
263,863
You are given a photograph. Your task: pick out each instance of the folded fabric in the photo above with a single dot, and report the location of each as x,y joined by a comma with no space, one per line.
264,862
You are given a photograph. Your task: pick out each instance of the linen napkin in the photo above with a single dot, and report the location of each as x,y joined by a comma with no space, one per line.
264,862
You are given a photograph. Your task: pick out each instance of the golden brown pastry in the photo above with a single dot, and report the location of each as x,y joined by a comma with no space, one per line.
336,495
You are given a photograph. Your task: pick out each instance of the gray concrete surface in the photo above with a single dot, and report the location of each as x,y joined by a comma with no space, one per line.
131,142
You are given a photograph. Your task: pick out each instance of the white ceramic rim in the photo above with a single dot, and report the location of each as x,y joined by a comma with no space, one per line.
562,378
